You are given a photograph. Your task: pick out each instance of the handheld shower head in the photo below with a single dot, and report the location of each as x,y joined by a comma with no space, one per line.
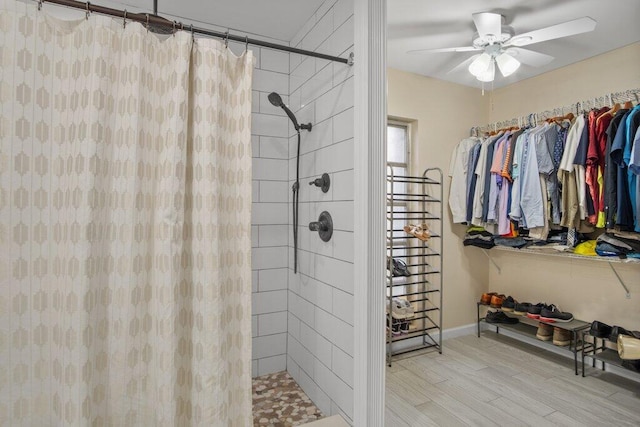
276,101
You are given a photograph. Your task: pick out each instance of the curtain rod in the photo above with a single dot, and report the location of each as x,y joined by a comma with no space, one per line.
611,98
158,21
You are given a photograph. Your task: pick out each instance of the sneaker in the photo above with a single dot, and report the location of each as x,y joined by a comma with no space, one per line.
534,311
521,309
553,314
399,268
561,337
545,332
496,301
395,326
508,304
404,327
500,317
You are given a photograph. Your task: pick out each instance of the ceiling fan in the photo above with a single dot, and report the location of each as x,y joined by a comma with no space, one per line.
502,47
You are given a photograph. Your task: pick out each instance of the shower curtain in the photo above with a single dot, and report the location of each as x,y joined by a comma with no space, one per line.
125,185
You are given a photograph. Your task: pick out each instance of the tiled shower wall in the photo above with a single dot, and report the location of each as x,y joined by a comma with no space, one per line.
269,230
320,296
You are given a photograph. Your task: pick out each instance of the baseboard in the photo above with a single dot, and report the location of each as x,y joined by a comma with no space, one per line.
624,373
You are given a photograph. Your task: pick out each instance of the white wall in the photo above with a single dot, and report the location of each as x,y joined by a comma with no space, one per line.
320,323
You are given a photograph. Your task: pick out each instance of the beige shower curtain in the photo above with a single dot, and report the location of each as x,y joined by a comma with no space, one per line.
125,185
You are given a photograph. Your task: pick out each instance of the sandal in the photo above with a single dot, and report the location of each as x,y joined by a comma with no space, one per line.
399,268
420,231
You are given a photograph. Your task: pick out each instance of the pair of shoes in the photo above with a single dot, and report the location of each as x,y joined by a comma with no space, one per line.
552,313
486,297
496,300
521,308
533,312
500,317
600,330
398,326
628,347
420,231
399,268
508,304
401,308
544,332
616,331
561,337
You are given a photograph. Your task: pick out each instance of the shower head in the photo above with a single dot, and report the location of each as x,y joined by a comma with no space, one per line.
276,101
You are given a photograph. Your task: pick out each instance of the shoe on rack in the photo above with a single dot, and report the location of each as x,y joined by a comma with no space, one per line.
533,312
500,317
420,231
401,308
628,347
619,330
521,308
545,332
404,327
508,304
395,326
496,300
486,297
399,268
561,337
600,330
553,314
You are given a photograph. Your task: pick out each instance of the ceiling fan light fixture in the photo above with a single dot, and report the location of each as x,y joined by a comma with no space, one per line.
521,40
507,64
489,74
481,64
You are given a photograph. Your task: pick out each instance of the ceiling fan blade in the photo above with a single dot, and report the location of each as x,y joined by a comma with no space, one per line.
464,65
566,29
445,49
530,57
488,23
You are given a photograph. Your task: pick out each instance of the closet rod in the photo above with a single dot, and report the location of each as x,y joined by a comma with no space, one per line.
611,98
154,20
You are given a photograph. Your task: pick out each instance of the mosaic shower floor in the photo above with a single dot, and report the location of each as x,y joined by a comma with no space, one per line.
278,401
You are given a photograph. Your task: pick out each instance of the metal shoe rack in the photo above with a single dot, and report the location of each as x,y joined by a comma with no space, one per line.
415,200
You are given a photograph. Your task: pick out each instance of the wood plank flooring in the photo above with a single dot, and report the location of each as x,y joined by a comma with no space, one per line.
496,380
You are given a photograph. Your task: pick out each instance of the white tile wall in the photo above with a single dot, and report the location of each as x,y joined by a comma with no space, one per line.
320,296
269,231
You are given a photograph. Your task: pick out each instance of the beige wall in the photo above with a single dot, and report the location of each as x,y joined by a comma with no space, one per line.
442,114
588,289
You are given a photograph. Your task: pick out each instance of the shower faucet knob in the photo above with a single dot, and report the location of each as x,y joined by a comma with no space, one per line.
324,182
324,226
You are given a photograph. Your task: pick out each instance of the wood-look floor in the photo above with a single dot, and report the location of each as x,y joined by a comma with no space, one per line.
496,380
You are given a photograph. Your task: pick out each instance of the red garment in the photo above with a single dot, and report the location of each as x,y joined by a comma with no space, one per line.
593,156
602,124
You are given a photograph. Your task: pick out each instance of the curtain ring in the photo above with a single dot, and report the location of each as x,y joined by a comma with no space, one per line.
182,26
173,33
226,39
124,19
246,43
147,24
193,37
87,5
40,4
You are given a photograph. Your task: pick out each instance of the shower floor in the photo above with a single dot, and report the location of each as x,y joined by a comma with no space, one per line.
278,401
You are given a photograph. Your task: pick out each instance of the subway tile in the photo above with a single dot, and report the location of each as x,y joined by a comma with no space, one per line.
293,369
269,81
273,235
308,163
319,84
343,125
255,191
342,184
303,357
336,157
317,293
342,214
270,169
294,100
342,10
255,146
335,330
334,272
322,29
269,302
302,32
343,245
324,8
293,326
294,61
263,258
254,281
319,346
303,73
254,236
273,364
255,101
295,280
343,306
272,323
342,365
269,213
274,148
340,40
321,136
269,125
254,368
339,391
274,191
315,393
302,309
342,72
335,101
273,279
274,60
254,326
313,193
268,346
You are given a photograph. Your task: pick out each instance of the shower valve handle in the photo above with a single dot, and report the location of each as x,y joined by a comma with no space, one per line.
324,226
324,182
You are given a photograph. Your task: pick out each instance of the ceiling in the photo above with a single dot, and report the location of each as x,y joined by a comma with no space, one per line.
420,24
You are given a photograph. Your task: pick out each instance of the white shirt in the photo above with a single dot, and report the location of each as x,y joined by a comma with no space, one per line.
458,173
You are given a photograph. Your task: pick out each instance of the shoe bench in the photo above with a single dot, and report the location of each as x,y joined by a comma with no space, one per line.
528,327
600,352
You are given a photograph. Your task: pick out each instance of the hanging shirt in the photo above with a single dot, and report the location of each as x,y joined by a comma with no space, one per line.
611,172
495,178
515,213
579,162
472,179
624,212
567,176
591,163
531,202
458,174
634,168
479,190
632,122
